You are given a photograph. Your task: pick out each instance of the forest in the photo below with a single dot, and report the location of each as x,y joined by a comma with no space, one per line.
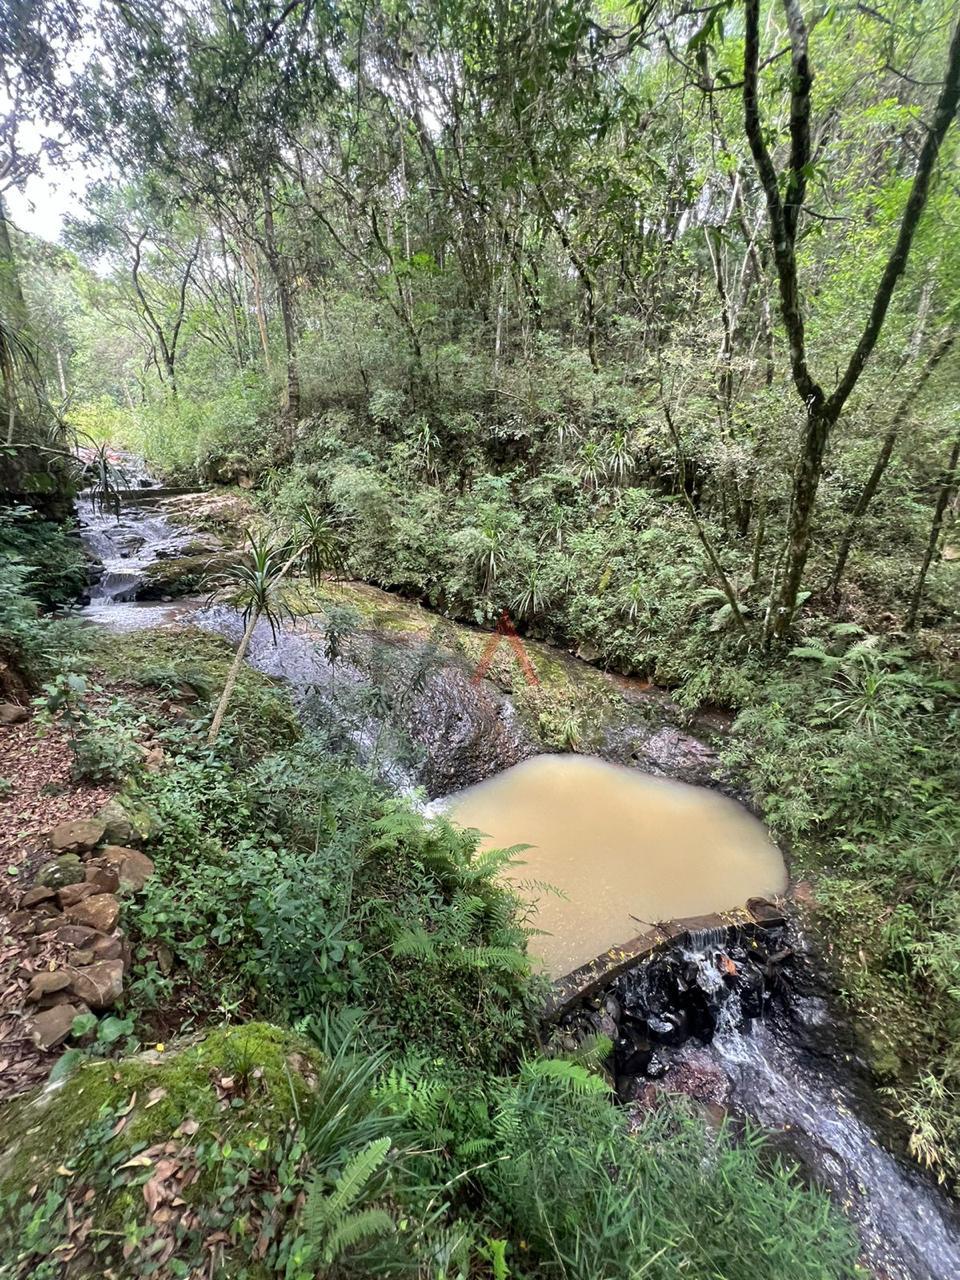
632,328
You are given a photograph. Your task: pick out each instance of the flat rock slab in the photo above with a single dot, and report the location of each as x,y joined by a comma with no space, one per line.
596,974
45,984
100,985
86,833
51,1027
99,912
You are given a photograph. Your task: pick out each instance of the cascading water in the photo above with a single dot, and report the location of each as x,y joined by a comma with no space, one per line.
124,544
719,1017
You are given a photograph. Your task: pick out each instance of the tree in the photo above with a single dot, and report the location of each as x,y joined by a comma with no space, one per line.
785,196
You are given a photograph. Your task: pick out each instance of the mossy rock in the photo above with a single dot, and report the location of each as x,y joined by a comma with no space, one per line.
221,1110
58,872
261,716
184,575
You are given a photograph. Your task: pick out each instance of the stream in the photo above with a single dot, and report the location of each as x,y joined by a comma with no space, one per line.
740,1025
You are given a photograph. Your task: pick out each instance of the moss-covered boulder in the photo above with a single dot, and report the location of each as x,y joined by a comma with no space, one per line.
128,1162
184,575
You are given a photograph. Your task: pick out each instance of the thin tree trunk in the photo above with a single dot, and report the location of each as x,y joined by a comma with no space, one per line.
947,490
232,677
725,584
869,490
278,267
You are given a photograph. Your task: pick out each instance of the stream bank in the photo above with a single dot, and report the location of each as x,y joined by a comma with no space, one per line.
420,719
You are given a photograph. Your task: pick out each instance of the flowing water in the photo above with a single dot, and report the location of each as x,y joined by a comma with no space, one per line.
625,850
125,545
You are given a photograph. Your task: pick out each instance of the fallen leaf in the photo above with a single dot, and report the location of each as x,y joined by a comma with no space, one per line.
137,1162
64,1172
155,1096
188,1128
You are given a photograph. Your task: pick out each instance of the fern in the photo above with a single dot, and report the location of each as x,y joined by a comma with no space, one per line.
355,1229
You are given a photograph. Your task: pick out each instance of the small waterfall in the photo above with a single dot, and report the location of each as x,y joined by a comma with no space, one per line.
124,545
717,1018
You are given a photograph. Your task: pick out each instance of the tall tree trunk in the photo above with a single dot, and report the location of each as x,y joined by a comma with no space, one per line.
16,327
947,489
785,194
279,268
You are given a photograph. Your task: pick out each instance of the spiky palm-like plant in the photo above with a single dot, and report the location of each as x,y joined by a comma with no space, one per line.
255,585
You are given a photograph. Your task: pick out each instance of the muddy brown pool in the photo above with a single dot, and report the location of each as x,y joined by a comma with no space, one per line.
622,848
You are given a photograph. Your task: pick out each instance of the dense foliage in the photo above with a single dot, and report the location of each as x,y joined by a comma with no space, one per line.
638,321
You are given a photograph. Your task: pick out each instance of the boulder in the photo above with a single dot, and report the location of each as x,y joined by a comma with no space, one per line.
77,935
133,867
71,894
67,869
51,1027
107,949
100,985
86,833
11,714
105,877
118,828
45,984
100,912
39,893
154,760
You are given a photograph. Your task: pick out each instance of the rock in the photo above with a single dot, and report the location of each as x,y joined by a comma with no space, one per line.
118,828
100,984
45,984
86,956
39,893
154,760
133,867
77,935
100,912
11,714
67,869
51,1027
71,894
107,949
103,875
766,913
83,834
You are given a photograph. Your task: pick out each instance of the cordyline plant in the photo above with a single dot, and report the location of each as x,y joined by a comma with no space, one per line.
255,586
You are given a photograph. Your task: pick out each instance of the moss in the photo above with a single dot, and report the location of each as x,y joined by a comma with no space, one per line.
44,1130
184,575
261,714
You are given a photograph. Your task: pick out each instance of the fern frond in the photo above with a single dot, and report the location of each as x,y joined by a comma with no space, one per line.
370,1224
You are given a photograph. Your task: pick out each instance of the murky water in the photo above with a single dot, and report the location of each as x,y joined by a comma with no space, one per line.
625,849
